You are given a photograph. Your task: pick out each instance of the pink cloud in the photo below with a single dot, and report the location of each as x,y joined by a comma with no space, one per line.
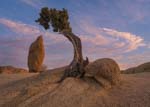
96,36
30,30
98,43
20,27
129,41
97,40
122,42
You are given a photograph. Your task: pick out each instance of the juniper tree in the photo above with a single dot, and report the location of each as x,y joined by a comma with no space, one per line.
58,20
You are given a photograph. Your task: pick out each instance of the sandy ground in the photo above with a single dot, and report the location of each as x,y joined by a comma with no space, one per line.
8,78
32,90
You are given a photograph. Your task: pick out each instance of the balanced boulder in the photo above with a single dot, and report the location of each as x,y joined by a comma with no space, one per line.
106,71
36,55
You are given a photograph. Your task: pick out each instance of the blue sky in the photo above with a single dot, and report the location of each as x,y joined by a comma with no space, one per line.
117,29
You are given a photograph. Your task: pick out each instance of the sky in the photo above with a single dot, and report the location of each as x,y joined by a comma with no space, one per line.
117,29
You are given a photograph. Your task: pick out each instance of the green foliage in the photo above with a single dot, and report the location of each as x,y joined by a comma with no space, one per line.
58,19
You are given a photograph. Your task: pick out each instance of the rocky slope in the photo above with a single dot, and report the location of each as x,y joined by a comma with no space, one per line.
43,91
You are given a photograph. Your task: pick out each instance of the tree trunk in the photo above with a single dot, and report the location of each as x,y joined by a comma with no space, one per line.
76,67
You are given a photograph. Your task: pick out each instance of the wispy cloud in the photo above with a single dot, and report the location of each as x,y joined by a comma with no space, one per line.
20,27
97,40
125,39
97,43
34,3
15,50
96,36
29,30
134,10
105,37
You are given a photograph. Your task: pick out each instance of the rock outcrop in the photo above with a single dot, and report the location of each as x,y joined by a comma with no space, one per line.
36,55
11,70
106,71
43,91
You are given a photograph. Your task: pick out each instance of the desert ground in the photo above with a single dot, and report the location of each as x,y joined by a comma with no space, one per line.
9,78
41,90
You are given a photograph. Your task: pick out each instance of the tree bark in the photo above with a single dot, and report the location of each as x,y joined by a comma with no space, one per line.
76,67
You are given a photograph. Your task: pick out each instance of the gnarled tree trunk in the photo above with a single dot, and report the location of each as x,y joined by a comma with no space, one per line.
76,67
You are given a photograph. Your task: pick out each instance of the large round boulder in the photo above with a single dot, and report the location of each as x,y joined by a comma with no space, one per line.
106,71
36,55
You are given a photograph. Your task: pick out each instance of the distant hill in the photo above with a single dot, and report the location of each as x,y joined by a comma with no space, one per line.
141,68
11,70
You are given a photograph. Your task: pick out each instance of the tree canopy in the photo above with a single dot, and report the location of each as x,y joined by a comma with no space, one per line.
57,19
